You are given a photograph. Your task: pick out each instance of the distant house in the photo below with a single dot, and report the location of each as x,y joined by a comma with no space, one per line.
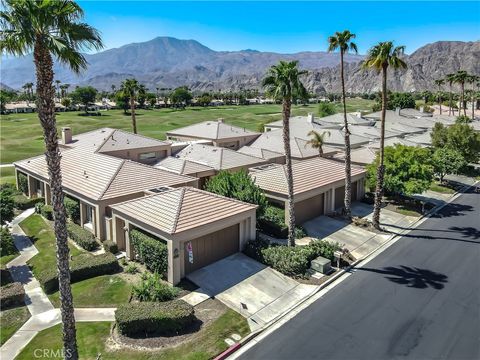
270,156
187,167
220,133
20,107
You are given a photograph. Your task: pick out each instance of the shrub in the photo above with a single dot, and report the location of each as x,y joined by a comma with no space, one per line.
110,246
72,207
152,288
82,267
147,318
131,269
82,237
7,245
150,251
46,211
300,232
23,183
273,222
38,208
6,206
12,295
22,202
253,248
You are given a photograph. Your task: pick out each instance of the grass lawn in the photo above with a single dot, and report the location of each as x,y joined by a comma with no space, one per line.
43,237
441,188
4,260
21,134
100,291
12,320
7,175
91,341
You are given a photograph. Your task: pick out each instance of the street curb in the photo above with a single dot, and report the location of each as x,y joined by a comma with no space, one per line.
342,272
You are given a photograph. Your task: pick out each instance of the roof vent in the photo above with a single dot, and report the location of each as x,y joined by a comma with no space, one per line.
160,189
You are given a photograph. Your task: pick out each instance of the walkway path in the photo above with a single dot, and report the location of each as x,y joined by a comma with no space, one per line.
44,315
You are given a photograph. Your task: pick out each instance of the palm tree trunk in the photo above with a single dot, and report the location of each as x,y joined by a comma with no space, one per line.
450,101
473,102
46,114
288,163
348,165
380,171
132,110
440,100
462,101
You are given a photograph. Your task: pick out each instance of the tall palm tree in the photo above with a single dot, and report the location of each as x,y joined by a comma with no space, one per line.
473,80
281,82
51,29
57,87
30,90
461,77
130,88
439,83
317,140
450,78
64,90
380,57
343,41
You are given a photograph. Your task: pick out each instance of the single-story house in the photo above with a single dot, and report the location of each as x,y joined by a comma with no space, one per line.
371,132
402,113
318,186
219,158
352,119
361,156
187,167
399,127
198,227
299,121
221,134
20,107
392,142
423,140
270,156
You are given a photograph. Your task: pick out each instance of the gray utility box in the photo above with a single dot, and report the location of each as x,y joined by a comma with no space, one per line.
321,265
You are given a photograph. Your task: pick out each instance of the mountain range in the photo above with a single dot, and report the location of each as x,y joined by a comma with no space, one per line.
166,62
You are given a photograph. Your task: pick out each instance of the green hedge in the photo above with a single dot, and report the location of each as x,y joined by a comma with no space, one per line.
291,261
148,318
12,295
82,237
82,267
273,222
110,246
22,202
150,251
153,288
22,183
46,211
72,208
7,245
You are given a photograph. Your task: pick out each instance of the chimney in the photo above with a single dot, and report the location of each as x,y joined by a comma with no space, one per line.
66,135
310,118
397,111
220,120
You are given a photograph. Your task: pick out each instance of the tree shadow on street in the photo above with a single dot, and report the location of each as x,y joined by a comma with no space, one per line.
412,276
453,210
468,232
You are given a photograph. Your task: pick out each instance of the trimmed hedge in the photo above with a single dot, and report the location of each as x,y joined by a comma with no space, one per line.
12,295
291,261
22,183
110,246
72,207
150,251
148,318
23,203
82,237
46,211
273,222
7,245
152,288
82,267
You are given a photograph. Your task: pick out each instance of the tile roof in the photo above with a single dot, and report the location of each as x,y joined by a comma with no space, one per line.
218,158
261,153
421,139
363,155
177,210
392,142
182,166
370,132
352,119
212,130
307,175
300,120
122,140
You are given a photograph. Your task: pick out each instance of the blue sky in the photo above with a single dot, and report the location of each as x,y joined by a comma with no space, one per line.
284,26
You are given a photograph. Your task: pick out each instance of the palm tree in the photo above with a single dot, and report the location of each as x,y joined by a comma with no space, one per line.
342,41
450,78
130,88
439,83
57,86
281,82
380,57
317,141
460,78
51,29
473,79
64,90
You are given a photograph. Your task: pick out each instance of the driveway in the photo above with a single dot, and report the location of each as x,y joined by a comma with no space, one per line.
256,291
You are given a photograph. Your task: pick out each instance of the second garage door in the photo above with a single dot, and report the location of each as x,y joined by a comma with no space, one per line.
210,248
309,209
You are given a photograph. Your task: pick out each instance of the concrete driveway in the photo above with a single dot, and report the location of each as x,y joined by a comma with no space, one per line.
256,291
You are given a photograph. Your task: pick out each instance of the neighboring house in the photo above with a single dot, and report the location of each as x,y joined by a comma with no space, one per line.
219,158
301,121
20,107
398,126
424,140
198,227
352,119
392,142
270,156
361,156
187,167
221,134
371,132
403,113
414,113
318,186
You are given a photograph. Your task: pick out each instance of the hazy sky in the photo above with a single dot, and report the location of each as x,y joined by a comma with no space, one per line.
284,26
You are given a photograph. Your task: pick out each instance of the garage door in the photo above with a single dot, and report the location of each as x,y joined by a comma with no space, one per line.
354,191
210,248
339,197
308,209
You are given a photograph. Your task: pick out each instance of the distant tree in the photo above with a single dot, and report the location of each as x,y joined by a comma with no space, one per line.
122,101
84,96
464,139
6,206
240,186
447,161
64,90
463,119
67,102
317,140
204,100
130,88
142,96
326,109
450,79
461,78
473,80
151,99
397,100
380,57
181,96
439,135
408,170
440,83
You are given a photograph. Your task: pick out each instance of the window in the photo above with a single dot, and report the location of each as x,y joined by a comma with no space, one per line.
149,155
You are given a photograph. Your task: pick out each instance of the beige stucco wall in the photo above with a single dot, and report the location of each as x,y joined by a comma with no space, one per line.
161,152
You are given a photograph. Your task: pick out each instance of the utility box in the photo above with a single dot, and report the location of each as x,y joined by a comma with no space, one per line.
321,265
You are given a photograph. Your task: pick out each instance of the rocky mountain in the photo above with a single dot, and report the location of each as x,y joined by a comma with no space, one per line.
169,62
